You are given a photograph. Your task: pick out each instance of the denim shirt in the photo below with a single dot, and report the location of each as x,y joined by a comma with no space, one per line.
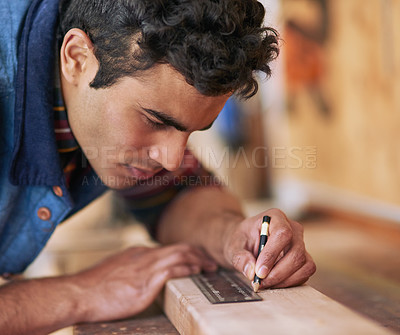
31,204
34,197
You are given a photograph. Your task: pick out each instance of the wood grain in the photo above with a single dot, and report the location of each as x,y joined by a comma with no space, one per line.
154,325
150,322
358,264
300,310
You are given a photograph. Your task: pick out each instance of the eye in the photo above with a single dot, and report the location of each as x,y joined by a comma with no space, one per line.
153,124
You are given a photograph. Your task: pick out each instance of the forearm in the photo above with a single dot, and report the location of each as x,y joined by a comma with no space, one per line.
202,216
39,306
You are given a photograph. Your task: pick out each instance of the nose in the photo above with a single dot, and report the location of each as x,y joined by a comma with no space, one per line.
170,150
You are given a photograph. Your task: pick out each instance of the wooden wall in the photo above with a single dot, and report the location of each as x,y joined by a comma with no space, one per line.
342,65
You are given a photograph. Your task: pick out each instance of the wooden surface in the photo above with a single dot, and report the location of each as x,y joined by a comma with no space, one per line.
153,325
358,264
300,310
150,322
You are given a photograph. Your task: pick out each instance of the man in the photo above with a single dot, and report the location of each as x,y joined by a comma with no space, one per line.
136,78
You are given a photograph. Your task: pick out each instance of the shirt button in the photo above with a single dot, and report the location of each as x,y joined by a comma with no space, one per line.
57,191
44,213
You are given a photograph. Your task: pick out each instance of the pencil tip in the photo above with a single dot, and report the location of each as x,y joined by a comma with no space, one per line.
256,286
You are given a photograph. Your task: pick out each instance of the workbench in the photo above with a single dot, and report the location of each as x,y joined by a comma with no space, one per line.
357,265
297,310
154,323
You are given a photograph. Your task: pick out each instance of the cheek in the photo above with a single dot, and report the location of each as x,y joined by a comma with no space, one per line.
88,118
126,132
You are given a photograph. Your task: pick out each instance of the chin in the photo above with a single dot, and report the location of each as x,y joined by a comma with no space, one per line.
118,182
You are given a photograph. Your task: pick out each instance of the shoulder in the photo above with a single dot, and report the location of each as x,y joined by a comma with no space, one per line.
12,15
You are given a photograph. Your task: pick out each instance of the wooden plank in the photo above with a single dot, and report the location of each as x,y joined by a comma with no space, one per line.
299,310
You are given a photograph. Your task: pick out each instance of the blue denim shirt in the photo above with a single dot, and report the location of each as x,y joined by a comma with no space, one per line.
29,161
31,176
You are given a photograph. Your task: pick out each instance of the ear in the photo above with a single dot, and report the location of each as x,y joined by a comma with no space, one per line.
76,56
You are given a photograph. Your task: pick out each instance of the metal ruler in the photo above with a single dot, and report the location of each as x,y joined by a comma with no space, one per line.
223,287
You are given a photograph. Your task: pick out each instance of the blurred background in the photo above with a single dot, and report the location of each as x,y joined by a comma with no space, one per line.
323,130
320,140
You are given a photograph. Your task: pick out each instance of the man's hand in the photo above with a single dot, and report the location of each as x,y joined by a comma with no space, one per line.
211,218
127,283
121,286
284,260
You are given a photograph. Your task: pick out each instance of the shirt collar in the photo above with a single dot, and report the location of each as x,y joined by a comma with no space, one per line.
35,156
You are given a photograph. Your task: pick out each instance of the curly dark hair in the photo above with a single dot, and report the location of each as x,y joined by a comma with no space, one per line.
215,44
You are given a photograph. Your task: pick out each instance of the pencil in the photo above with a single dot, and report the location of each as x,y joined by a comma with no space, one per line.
263,240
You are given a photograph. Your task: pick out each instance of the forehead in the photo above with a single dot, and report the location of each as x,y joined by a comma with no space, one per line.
165,90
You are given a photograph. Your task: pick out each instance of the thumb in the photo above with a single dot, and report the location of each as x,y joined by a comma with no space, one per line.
244,261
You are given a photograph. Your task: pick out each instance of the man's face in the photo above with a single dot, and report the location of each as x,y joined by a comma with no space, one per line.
139,125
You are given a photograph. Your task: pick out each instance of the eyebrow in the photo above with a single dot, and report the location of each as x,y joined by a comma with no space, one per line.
170,121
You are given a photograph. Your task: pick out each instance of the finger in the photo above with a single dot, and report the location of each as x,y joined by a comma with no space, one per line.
184,247
192,249
237,253
158,280
300,276
180,255
286,266
291,260
131,253
280,239
161,277
207,262
244,261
